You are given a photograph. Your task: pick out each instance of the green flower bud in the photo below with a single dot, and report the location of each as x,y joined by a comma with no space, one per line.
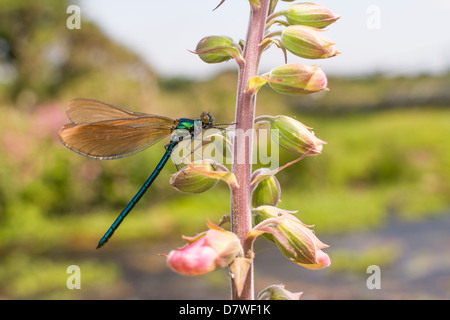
267,192
294,239
293,136
310,14
308,42
297,79
190,181
278,292
257,219
216,49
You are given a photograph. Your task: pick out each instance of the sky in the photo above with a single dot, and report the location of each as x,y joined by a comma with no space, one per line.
374,36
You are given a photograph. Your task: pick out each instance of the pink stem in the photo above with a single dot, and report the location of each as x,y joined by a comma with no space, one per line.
241,218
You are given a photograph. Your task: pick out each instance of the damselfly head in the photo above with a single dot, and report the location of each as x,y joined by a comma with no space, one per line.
207,119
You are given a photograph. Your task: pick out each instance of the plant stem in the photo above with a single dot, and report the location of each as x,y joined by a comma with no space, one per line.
241,219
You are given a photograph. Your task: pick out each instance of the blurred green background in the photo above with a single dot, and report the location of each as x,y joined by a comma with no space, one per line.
379,193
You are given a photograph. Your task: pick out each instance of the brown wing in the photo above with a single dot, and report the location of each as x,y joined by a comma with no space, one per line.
109,140
88,111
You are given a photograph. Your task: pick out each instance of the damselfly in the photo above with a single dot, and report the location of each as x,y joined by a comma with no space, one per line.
101,130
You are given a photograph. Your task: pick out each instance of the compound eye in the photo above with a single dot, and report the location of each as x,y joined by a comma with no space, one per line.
205,118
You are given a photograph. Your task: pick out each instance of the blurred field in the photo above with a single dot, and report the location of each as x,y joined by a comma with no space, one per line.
387,159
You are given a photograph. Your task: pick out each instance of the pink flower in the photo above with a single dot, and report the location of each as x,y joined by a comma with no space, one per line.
209,251
322,261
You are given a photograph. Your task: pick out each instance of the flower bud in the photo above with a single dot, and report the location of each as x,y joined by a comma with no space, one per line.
308,42
278,292
294,239
294,136
190,181
310,14
298,79
209,251
267,192
216,49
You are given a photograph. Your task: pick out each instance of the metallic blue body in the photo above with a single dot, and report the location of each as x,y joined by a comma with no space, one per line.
138,195
183,124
